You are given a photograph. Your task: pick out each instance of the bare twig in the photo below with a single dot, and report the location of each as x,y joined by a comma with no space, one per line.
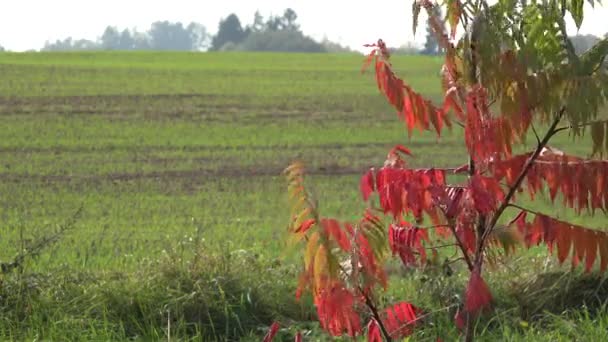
557,130
535,133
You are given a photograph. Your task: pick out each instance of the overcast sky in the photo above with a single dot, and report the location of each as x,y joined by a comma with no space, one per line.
27,24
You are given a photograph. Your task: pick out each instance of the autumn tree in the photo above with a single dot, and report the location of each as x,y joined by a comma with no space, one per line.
510,72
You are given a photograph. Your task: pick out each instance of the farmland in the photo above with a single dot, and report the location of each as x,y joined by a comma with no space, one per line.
175,160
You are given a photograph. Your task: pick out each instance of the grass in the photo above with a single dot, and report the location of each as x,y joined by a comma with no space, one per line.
175,159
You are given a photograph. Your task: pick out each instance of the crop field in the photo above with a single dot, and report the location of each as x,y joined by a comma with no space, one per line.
153,182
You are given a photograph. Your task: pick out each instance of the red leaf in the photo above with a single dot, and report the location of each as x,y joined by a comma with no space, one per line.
305,226
298,337
404,240
336,311
400,319
486,192
367,184
402,149
368,59
373,331
459,320
274,328
478,296
332,228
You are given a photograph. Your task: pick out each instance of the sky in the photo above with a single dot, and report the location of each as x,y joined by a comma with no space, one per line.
28,24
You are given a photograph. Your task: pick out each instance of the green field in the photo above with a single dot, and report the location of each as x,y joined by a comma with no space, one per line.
175,159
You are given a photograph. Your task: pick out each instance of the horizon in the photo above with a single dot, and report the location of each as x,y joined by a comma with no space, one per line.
394,25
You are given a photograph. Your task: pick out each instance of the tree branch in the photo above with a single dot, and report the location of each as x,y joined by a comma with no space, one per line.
465,253
513,189
557,130
372,307
513,205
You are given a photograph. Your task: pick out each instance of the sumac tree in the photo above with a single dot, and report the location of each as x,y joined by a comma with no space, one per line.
509,73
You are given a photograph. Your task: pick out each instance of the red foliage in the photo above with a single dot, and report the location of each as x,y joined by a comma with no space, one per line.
415,110
373,331
409,191
582,183
585,244
367,184
400,319
406,240
487,138
333,230
274,328
336,311
486,193
305,226
477,296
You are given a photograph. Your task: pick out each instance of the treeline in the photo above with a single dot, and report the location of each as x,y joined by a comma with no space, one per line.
162,35
276,33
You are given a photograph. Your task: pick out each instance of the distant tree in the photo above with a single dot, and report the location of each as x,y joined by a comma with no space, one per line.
141,40
258,23
126,41
230,30
2,48
407,49
583,43
198,36
333,47
283,41
110,39
69,44
169,36
431,46
289,20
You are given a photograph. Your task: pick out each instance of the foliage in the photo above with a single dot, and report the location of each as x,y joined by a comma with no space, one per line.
277,33
513,70
229,30
157,145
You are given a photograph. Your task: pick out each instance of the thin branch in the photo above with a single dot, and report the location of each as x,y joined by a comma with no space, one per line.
433,227
442,246
513,205
465,253
557,130
372,307
535,133
513,189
